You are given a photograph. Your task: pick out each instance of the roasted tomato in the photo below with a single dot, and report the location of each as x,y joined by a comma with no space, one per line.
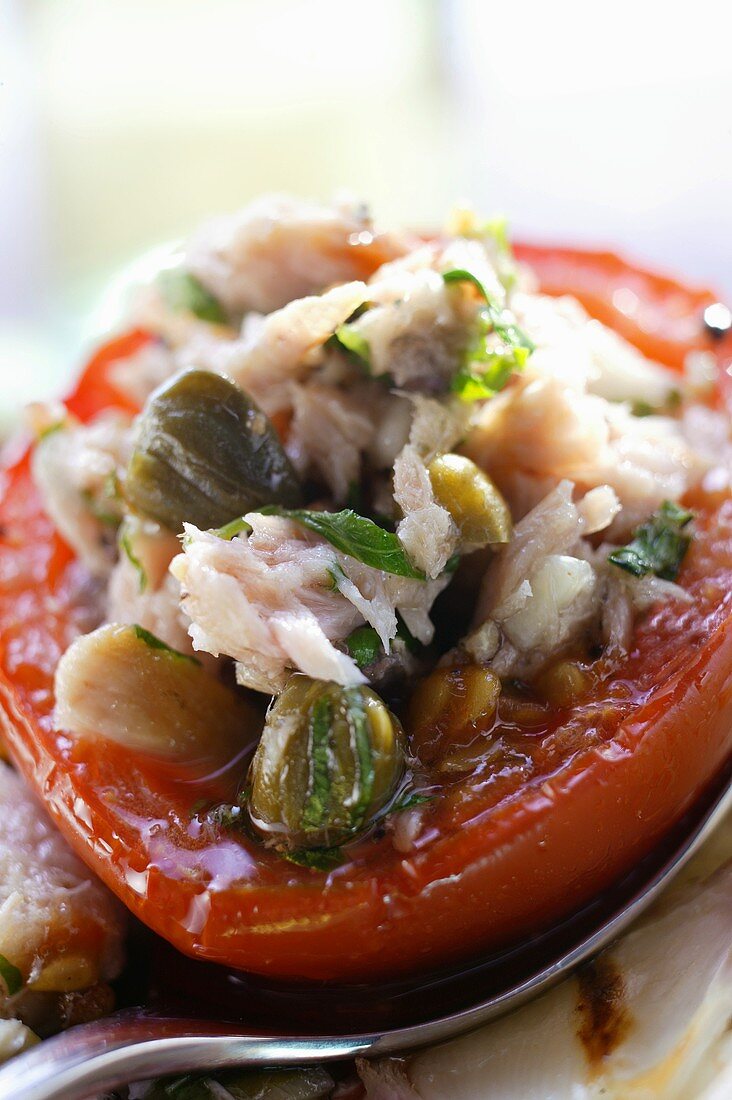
568,798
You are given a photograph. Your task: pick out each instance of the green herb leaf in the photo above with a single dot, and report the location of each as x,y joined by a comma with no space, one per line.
461,275
642,408
234,527
452,563
183,291
112,487
315,810
658,545
364,645
349,340
348,337
494,230
356,536
57,426
645,408
11,976
405,634
317,859
486,369
497,229
407,800
336,575
154,642
478,383
410,799
126,546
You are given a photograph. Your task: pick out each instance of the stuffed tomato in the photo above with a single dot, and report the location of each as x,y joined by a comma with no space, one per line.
367,606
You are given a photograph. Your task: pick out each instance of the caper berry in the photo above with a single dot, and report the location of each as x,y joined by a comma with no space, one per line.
329,759
563,683
204,454
450,708
121,683
477,507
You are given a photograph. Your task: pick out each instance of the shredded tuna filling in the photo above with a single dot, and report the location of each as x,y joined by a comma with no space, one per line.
353,341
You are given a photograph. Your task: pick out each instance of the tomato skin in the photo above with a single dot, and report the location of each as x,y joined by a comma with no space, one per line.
98,390
478,883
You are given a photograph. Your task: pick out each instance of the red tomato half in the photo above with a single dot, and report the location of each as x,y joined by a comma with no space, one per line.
563,816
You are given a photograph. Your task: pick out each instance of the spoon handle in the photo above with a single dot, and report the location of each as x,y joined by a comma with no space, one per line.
87,1061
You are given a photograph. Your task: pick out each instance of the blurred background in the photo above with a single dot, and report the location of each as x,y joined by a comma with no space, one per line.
124,123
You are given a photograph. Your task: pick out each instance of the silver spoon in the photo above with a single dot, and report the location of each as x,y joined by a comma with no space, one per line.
93,1058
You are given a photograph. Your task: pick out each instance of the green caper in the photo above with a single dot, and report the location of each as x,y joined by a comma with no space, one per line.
329,759
204,454
478,508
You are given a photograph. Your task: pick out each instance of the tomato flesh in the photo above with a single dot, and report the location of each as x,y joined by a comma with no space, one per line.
551,818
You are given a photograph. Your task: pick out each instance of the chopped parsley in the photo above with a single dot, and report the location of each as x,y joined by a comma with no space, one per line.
317,859
57,426
11,976
486,368
497,229
182,291
364,645
405,634
409,799
658,545
234,527
354,343
452,563
645,408
356,536
125,543
153,642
